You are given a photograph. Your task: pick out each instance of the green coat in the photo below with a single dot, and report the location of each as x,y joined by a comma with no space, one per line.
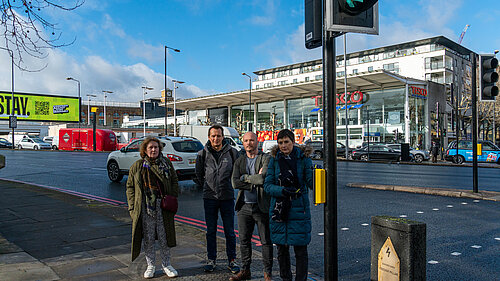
135,197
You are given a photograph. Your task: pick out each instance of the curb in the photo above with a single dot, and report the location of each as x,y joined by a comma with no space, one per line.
448,192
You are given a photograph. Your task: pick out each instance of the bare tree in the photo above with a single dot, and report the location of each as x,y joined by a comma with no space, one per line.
27,31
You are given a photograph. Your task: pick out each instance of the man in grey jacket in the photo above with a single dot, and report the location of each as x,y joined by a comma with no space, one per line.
252,205
214,167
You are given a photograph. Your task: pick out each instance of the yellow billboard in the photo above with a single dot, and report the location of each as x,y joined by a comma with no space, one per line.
33,107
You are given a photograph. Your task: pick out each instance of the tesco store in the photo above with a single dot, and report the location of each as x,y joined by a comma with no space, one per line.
381,106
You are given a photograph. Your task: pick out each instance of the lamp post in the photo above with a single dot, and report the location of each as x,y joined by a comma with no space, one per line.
105,96
144,107
175,113
166,91
494,113
249,99
12,89
79,100
88,107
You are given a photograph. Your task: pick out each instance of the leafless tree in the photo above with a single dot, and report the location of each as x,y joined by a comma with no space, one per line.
26,31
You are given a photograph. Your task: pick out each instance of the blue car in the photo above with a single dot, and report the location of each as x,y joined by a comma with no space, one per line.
489,152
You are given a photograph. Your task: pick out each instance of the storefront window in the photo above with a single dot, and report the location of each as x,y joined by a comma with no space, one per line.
240,115
270,116
303,113
197,117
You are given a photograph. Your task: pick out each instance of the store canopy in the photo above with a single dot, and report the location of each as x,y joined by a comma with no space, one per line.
363,81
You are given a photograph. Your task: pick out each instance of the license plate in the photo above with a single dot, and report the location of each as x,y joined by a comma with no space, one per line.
192,161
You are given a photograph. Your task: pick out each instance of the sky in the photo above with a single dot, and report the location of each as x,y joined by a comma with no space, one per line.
119,44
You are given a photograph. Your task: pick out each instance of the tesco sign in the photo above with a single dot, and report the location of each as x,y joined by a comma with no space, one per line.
352,97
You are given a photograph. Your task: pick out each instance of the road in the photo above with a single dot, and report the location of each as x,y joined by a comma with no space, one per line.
463,235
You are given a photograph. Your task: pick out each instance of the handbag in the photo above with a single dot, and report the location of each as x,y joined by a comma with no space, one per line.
169,203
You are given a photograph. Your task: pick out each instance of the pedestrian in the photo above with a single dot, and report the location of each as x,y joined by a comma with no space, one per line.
252,205
434,150
288,180
214,167
150,179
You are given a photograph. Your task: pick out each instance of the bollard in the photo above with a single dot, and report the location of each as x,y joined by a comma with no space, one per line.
398,249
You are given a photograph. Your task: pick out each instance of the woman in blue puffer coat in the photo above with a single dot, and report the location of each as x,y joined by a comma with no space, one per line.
288,180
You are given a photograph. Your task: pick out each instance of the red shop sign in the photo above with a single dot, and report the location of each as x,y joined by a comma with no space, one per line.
352,97
418,91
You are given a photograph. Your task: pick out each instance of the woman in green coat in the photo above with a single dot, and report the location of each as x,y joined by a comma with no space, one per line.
148,179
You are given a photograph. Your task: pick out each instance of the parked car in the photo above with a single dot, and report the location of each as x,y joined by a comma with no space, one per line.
54,141
268,145
181,151
318,150
5,143
376,152
33,143
417,155
489,152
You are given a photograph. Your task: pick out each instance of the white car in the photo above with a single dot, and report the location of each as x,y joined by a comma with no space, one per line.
33,143
181,151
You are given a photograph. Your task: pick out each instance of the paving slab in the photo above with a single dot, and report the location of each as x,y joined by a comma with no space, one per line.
87,267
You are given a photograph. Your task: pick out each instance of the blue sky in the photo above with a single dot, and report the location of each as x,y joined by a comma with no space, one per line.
119,43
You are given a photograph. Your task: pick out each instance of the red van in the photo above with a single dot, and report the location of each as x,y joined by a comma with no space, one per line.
82,139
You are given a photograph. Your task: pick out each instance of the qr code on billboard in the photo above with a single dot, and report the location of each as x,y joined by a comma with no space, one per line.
42,107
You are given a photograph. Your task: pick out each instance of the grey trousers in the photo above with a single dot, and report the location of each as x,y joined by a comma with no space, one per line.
248,217
151,226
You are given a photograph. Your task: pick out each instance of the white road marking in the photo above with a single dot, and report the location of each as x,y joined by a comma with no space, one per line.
321,234
497,238
403,216
344,228
476,201
464,203
99,169
476,246
456,254
420,212
365,224
435,209
432,262
449,206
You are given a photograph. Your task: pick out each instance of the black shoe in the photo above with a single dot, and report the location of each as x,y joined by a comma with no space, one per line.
210,266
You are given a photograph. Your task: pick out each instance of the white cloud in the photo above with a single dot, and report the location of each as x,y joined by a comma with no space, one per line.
267,15
140,49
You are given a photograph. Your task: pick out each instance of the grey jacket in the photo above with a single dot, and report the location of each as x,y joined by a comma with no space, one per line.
215,176
251,181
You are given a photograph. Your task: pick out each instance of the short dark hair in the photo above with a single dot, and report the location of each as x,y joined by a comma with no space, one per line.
217,127
145,143
285,133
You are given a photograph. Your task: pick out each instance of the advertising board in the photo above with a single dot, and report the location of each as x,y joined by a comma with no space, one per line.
34,107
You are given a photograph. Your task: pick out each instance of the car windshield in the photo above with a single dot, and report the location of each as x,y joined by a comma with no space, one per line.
237,140
187,146
38,140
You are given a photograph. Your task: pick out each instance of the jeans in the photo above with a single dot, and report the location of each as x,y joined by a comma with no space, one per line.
301,261
248,216
226,208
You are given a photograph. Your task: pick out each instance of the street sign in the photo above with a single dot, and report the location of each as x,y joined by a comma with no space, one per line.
388,262
12,122
94,109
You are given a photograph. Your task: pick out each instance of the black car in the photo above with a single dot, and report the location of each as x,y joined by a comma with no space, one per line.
318,151
376,152
5,143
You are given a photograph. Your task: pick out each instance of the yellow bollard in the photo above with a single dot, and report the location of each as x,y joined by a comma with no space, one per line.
319,186
479,149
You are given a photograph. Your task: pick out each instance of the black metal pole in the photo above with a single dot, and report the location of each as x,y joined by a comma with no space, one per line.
12,87
330,159
368,128
250,118
94,125
474,125
457,128
166,111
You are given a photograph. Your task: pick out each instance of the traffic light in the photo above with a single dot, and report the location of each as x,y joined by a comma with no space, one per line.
359,16
488,77
313,24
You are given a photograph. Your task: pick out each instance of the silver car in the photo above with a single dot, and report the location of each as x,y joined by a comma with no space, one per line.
418,155
33,143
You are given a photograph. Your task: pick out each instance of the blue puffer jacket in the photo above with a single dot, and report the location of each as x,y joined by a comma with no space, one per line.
296,231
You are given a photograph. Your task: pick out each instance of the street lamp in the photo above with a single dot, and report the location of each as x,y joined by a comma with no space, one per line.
105,92
144,107
166,91
12,88
249,99
175,113
79,100
494,112
88,107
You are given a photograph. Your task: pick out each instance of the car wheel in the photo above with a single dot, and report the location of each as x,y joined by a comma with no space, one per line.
114,172
19,146
364,157
460,159
54,147
418,158
35,147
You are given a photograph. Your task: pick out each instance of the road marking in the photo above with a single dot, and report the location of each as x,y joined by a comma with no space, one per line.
344,228
432,262
321,234
456,254
435,209
464,203
99,169
497,238
476,201
420,212
476,246
449,206
365,224
403,216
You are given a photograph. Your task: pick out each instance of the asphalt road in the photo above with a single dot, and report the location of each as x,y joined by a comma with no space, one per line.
463,235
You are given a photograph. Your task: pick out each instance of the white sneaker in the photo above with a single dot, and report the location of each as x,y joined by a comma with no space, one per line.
170,271
150,272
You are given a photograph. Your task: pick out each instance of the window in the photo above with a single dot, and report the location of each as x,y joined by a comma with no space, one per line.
354,71
340,73
318,77
187,146
295,80
392,67
307,79
370,68
134,147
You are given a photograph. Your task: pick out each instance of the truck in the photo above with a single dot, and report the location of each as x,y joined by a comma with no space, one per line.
83,139
201,133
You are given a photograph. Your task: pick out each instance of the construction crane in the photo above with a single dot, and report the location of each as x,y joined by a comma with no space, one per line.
463,34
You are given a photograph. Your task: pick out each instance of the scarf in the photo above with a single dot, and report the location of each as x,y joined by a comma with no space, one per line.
152,170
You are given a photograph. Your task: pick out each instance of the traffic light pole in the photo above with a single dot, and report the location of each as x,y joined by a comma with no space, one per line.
330,159
474,124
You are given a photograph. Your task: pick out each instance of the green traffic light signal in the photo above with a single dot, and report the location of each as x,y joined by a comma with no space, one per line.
355,7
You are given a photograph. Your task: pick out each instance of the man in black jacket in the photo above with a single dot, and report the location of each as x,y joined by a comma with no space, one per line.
214,166
252,205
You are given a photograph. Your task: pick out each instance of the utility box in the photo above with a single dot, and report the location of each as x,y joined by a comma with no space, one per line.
398,250
405,152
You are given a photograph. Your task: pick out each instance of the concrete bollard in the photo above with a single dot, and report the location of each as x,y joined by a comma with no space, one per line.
398,249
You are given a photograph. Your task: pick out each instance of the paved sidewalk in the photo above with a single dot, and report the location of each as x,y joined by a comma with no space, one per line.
48,235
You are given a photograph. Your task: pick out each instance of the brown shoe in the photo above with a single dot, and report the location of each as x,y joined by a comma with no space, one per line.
268,276
242,275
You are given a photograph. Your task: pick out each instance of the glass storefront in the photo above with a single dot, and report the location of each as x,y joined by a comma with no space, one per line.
303,113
